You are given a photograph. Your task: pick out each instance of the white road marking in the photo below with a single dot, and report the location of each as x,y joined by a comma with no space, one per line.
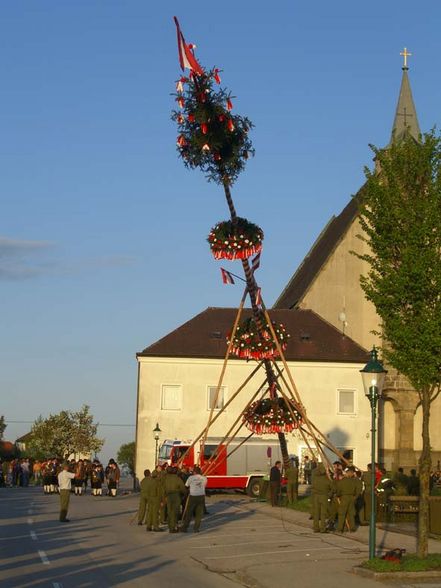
44,557
219,545
269,553
30,521
57,585
33,535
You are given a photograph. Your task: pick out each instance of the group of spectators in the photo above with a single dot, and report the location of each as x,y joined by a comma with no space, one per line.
16,472
22,472
169,495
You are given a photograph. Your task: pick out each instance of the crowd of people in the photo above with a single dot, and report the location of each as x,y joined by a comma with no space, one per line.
172,496
22,472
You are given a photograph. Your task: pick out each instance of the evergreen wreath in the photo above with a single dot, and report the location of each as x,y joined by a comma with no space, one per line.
249,344
209,135
272,416
235,240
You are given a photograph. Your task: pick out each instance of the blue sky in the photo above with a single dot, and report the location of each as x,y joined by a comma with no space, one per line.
102,234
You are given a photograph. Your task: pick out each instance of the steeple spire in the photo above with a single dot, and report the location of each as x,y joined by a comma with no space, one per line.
406,120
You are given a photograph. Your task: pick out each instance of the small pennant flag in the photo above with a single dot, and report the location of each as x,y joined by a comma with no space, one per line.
259,296
186,55
227,278
255,264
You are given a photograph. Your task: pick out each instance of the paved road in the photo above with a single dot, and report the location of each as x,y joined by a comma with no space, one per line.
239,544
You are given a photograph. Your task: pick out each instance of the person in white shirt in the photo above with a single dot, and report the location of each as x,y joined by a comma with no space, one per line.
196,500
64,485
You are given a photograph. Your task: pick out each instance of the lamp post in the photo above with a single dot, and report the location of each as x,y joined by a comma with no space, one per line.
373,375
156,436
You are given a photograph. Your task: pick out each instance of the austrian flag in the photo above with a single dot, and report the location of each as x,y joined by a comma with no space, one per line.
186,55
227,278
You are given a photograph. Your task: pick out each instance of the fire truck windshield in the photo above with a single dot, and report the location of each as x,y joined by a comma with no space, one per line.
164,452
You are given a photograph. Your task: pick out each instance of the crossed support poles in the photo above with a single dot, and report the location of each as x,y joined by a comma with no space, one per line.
286,387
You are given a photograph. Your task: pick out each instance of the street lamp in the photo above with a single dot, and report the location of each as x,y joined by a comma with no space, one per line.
156,435
373,375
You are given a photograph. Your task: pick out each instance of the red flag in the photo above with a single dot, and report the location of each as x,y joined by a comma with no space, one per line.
227,278
255,264
186,55
259,296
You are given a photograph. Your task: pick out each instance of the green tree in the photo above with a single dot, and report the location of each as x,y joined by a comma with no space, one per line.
400,214
126,456
65,433
2,426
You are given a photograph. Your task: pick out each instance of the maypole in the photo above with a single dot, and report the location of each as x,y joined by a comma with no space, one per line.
216,141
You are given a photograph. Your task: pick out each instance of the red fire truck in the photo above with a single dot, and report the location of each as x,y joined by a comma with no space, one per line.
240,466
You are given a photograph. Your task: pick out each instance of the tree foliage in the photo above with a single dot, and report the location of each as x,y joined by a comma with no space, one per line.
65,433
126,456
400,214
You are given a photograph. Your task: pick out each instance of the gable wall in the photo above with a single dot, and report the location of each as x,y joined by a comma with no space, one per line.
337,288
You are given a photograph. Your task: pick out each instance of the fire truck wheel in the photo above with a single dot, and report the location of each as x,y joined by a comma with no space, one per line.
254,487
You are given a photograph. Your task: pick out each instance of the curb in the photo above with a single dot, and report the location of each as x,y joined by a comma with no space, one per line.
379,576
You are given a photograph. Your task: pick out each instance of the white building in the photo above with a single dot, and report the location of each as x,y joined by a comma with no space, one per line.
178,377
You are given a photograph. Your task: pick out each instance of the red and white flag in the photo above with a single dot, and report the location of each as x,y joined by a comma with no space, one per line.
259,296
186,55
255,263
227,278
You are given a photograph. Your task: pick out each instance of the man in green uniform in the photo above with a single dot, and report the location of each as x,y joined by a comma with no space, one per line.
292,483
154,495
347,489
173,488
321,491
143,497
365,513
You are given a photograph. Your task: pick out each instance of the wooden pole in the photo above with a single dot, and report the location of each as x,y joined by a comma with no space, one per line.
241,387
224,367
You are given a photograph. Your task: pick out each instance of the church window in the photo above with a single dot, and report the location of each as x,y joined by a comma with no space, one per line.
171,397
346,401
213,403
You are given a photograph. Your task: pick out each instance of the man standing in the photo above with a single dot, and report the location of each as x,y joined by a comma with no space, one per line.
275,483
347,490
321,492
292,483
143,497
173,488
64,485
196,501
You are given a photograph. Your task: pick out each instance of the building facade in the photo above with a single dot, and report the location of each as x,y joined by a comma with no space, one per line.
179,375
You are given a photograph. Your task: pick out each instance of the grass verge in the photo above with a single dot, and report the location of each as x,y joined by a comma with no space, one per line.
409,563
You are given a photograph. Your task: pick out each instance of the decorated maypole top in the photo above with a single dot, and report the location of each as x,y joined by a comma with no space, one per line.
210,136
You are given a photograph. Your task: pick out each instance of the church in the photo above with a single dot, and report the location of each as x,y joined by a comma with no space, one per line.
330,268
331,324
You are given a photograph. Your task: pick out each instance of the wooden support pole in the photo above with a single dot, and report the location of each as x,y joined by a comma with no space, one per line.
224,367
241,387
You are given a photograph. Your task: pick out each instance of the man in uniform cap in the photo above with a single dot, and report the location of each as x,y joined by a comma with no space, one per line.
347,491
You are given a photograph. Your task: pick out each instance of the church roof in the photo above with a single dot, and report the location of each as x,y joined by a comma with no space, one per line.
406,120
317,255
312,338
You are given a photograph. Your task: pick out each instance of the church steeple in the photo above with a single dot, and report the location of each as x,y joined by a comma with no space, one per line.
406,120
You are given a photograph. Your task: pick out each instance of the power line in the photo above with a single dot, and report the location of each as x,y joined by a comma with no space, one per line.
7,422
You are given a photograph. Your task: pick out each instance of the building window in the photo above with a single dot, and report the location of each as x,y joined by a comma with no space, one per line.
212,402
347,453
346,401
171,397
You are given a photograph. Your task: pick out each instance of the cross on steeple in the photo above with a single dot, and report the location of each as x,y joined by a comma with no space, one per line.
405,55
405,114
